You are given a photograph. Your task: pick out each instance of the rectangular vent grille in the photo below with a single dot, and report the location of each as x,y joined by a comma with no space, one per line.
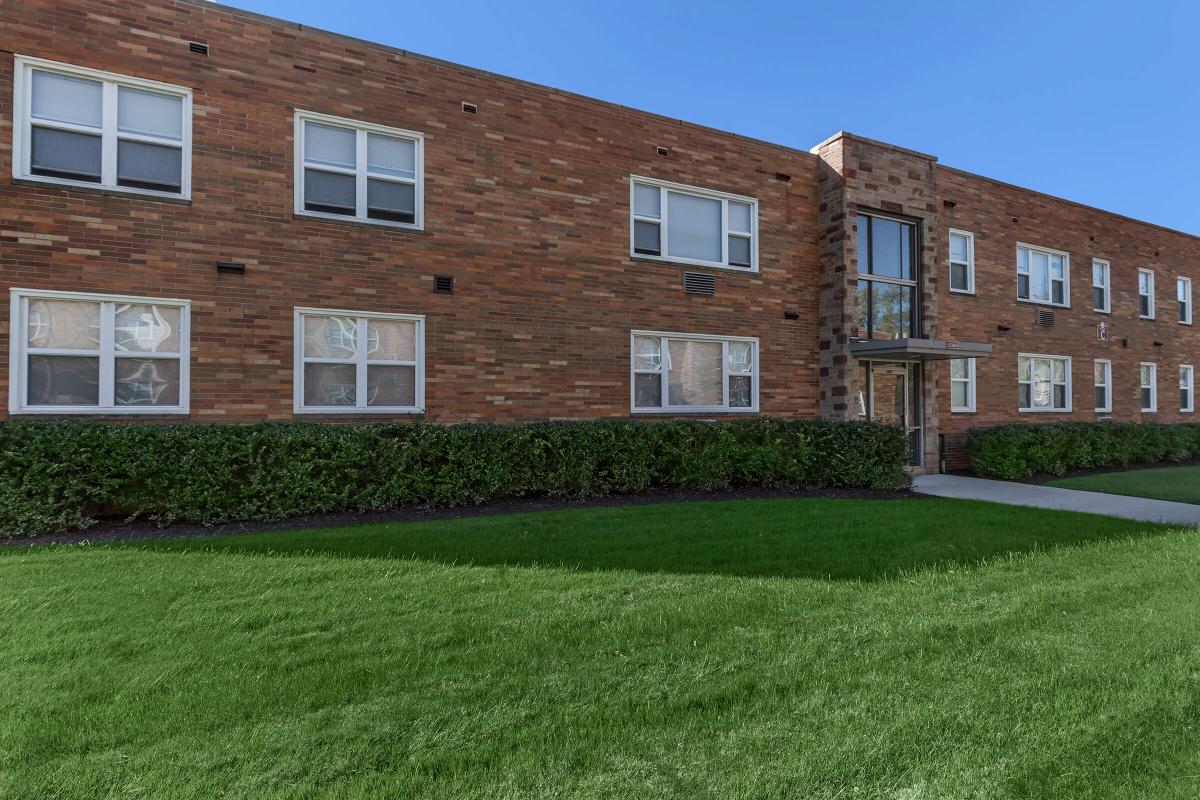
443,284
699,283
470,108
1045,317
198,47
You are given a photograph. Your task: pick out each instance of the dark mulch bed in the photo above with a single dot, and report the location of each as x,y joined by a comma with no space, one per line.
120,532
1042,477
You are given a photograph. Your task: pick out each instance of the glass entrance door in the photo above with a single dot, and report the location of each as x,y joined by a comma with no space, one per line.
890,392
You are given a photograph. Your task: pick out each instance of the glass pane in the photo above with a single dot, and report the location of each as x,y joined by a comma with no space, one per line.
329,384
958,394
391,156
147,328
67,99
1144,305
69,324
1145,375
1025,394
1022,260
147,382
647,200
64,154
1042,386
741,357
739,251
1060,371
739,217
740,391
891,311
1099,372
958,247
149,165
64,381
1098,298
1023,286
1098,275
1147,400
1183,398
863,225
647,352
695,227
1143,283
1184,377
694,377
1056,266
391,340
958,277
1181,291
324,191
325,144
150,113
958,368
887,257
646,238
1060,397
1023,365
1056,294
392,386
1101,397
1039,283
330,337
647,391
392,201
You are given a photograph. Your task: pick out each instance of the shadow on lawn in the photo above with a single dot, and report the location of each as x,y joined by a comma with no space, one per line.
807,538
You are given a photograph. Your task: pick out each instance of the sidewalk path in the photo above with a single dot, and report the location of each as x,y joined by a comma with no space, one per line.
1024,494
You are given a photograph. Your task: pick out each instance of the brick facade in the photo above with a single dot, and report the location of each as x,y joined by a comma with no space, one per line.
527,206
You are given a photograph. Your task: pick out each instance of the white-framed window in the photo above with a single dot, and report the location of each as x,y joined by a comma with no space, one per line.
82,127
687,225
962,384
1146,293
356,362
347,169
1187,400
1102,380
1043,275
80,353
1101,293
1148,382
1183,297
1043,382
962,262
683,373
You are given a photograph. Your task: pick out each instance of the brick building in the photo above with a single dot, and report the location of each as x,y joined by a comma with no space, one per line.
210,215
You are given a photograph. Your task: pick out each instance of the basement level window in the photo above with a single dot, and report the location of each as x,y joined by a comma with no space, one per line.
684,373
687,225
1043,383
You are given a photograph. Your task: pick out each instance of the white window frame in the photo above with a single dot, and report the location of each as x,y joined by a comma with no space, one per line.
1066,278
1180,283
1153,387
361,362
24,67
663,370
359,172
1106,286
1069,396
18,383
1150,284
1108,392
969,263
1190,385
970,381
664,224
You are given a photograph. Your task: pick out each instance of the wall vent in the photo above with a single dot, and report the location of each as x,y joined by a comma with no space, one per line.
443,284
699,283
662,151
200,48
470,108
1045,317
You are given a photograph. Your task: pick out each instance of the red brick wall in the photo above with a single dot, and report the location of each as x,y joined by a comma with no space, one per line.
526,205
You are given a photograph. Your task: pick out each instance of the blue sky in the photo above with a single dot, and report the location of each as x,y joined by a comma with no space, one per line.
1096,102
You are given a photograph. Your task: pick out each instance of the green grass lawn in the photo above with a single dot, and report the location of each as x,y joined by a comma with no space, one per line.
1181,484
907,649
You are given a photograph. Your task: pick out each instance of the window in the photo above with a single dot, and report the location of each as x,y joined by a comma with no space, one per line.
1044,383
1146,294
97,354
962,262
1103,382
962,384
1100,284
1149,386
1186,401
359,362
1183,296
693,226
887,279
683,373
1043,276
81,127
355,170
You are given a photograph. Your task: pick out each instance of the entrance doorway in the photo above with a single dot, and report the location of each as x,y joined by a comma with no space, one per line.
890,392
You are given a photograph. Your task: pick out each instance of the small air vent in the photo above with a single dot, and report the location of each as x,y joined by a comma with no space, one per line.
699,283
470,108
662,151
232,267
200,48
1045,317
443,284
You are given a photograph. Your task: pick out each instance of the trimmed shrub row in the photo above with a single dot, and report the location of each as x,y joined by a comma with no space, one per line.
1018,451
65,475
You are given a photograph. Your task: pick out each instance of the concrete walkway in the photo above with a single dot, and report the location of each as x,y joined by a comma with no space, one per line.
1024,494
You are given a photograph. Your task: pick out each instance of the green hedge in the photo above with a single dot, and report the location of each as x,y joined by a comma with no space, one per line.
64,475
1018,451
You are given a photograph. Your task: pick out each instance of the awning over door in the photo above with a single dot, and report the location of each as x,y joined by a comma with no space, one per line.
919,349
